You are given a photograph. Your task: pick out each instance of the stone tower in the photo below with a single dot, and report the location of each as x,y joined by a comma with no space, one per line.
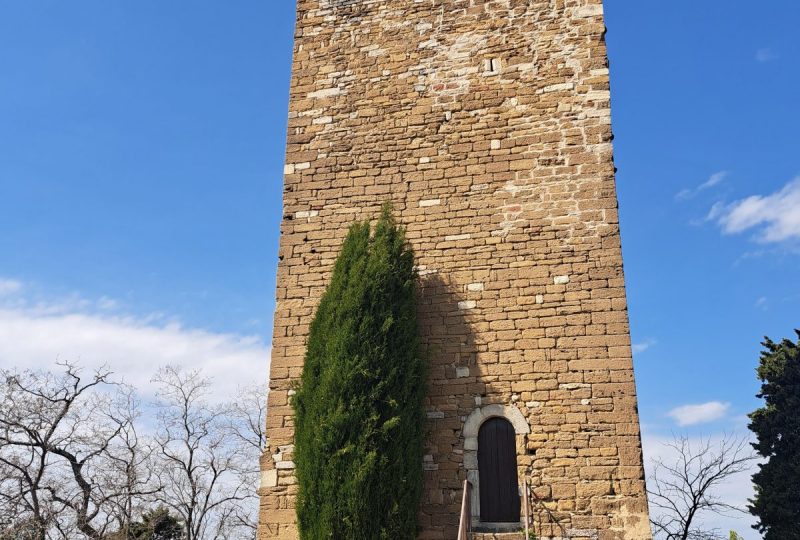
488,124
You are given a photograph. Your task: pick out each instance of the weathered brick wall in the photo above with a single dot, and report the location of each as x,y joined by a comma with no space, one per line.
487,123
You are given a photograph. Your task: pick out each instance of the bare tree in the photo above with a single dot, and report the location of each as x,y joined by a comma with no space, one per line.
246,426
129,466
198,460
63,440
35,422
75,461
683,489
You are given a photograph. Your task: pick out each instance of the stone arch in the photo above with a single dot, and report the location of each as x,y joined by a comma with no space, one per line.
477,417
472,426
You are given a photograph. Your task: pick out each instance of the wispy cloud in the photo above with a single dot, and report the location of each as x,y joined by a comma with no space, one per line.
107,304
714,180
9,286
703,413
642,346
775,216
765,55
34,335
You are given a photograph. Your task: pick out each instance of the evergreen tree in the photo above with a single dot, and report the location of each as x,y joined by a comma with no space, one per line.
777,430
157,524
358,407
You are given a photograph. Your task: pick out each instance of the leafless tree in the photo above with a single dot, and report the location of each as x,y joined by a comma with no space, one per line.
685,487
198,460
129,466
76,461
65,442
246,426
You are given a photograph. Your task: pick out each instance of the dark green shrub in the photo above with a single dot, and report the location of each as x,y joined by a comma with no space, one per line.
157,524
358,407
777,429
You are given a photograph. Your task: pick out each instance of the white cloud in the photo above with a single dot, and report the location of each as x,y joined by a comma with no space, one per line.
690,415
776,216
765,55
9,287
714,180
37,335
107,304
639,348
735,491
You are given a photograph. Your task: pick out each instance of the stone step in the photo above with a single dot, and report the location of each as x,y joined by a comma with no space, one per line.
498,536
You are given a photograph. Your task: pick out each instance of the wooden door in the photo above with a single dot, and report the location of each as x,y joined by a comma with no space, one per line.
497,472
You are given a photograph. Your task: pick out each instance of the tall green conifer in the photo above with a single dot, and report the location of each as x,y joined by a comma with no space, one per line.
358,407
777,429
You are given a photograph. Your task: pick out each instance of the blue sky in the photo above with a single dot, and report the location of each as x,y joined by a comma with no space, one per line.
705,113
141,151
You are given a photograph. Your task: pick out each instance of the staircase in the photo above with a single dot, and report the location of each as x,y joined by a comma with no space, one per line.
498,536
465,531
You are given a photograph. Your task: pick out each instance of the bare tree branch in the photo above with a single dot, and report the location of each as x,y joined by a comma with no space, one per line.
76,463
65,440
683,489
247,420
199,460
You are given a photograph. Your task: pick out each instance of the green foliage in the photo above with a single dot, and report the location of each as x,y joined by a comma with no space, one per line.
777,430
157,524
735,536
358,407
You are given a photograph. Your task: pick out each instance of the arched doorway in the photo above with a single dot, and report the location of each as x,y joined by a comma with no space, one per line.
497,470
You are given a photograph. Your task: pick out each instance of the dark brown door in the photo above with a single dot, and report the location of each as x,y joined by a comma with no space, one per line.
497,470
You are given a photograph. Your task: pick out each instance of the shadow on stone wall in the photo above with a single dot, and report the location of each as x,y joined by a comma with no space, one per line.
455,388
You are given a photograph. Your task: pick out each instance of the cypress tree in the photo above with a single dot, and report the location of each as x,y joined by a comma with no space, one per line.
777,430
157,524
358,406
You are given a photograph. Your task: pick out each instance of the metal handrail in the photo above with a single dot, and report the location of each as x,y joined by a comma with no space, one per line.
539,503
465,522
527,507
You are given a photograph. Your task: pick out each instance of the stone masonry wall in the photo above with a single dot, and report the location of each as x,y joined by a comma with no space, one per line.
488,124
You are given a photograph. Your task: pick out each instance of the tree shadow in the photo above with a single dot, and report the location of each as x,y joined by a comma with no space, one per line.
455,388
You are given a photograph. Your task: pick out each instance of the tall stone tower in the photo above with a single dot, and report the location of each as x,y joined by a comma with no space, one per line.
488,124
